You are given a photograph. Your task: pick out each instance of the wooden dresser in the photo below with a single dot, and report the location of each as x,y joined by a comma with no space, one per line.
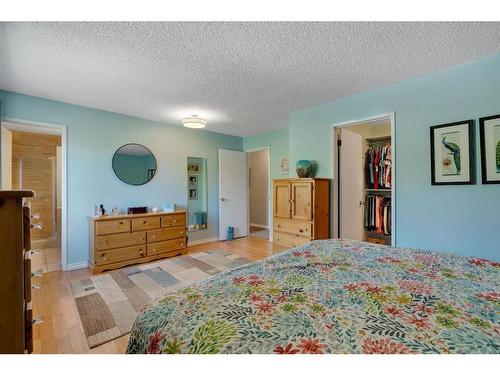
122,240
301,209
16,315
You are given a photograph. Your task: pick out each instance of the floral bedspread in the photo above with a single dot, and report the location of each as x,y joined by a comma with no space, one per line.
334,296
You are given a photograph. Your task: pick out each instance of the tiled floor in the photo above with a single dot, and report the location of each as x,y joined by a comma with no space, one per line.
47,259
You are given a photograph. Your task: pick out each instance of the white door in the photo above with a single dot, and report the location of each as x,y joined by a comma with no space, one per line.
351,185
233,193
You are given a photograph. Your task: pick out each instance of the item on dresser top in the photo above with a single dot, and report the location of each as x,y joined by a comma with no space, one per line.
123,240
304,168
96,210
154,209
137,210
169,207
115,211
102,211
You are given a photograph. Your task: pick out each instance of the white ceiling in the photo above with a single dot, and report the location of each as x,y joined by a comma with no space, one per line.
244,78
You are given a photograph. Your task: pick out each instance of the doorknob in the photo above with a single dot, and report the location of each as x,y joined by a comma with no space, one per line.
223,199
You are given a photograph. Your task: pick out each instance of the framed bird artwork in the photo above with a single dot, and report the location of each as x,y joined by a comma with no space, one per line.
452,153
489,133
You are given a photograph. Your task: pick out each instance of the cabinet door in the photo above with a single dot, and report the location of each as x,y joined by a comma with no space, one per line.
281,199
302,199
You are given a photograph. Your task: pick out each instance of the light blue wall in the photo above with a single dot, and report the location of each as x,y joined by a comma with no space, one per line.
94,136
277,141
461,219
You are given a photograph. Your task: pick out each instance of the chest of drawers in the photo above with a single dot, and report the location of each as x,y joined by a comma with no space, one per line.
117,241
16,315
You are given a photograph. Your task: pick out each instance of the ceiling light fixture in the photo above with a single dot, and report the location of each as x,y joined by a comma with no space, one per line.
194,122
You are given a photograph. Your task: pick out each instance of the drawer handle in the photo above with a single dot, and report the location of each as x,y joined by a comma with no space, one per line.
36,286
36,226
121,223
37,273
33,252
37,321
35,216
174,221
301,230
103,254
144,222
106,243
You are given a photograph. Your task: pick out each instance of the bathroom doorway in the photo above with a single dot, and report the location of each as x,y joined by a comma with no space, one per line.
32,160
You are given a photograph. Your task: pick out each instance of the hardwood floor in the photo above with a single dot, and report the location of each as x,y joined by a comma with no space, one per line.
62,332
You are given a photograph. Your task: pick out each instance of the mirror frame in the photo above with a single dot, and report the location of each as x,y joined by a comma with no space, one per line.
116,174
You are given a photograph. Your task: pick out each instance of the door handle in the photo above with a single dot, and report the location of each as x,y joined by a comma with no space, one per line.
223,199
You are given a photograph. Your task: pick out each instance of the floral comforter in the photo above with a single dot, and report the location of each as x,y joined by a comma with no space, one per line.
334,296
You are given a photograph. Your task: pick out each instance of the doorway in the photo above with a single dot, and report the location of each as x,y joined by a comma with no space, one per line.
33,158
259,202
364,172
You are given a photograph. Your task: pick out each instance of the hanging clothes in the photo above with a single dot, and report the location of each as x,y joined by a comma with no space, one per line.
378,167
377,215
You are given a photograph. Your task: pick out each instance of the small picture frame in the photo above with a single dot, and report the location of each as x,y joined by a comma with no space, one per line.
193,194
452,153
489,136
193,181
194,168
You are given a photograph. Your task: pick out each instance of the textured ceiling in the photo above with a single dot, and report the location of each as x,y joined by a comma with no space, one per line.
244,78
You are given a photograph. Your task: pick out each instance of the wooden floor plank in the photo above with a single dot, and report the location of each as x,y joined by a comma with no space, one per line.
62,331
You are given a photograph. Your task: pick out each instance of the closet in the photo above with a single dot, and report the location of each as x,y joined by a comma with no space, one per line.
364,206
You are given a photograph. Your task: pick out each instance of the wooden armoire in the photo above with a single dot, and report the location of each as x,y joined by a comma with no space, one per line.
301,210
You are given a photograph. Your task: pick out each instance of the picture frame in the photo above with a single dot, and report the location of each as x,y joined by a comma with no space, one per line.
194,168
452,153
193,194
489,139
193,181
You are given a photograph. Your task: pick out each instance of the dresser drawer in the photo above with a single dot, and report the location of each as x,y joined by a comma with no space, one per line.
166,234
289,240
112,226
119,255
166,246
112,241
175,220
302,228
144,223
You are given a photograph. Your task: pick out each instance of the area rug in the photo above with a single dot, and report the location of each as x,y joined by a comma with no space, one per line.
109,303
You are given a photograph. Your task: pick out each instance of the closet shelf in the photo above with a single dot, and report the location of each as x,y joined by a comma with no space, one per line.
379,190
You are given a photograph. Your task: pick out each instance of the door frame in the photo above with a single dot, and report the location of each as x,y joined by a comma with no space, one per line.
35,126
391,116
269,190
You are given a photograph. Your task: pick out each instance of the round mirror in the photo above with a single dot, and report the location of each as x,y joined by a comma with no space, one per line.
134,164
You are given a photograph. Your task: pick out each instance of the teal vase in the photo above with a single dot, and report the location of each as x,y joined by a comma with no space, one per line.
304,168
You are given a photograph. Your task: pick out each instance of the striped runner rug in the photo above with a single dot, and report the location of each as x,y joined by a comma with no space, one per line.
109,303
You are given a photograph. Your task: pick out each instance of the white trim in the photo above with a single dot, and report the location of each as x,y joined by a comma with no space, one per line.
269,193
385,116
258,226
76,266
19,124
202,241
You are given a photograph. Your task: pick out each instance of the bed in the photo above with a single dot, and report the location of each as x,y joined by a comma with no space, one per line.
333,296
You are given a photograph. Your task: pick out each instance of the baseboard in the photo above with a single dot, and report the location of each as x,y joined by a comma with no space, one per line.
76,266
202,241
259,226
